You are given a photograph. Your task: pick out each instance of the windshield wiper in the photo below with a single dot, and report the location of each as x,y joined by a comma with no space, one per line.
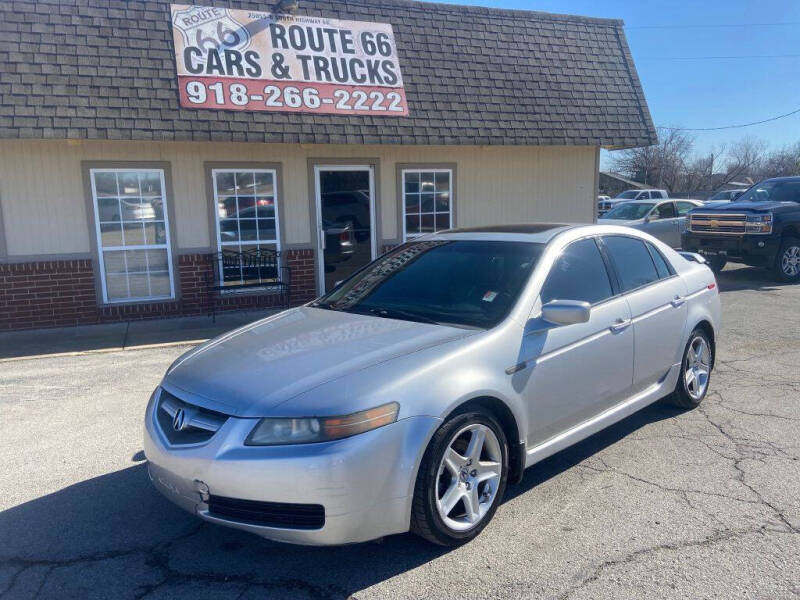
394,313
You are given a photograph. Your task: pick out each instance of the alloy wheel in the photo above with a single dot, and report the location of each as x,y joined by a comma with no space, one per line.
697,368
468,477
790,261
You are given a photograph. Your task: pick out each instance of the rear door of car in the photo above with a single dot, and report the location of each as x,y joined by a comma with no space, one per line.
657,300
575,371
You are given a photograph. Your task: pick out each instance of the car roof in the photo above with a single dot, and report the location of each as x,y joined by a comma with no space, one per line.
645,201
540,233
523,232
789,178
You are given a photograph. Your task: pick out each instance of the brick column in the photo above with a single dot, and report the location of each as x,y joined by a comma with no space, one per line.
304,275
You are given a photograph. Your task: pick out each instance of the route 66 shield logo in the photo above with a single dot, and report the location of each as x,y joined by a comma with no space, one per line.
210,28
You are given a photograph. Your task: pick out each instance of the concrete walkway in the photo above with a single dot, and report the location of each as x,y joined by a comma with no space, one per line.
111,337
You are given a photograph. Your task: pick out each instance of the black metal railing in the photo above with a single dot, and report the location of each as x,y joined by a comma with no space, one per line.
256,271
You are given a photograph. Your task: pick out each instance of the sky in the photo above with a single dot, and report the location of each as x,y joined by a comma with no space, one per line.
762,82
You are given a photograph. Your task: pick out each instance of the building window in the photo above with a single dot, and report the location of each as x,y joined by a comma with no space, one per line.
427,201
130,209
246,205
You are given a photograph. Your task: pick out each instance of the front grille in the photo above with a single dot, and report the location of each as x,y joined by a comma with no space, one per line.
183,423
268,514
723,224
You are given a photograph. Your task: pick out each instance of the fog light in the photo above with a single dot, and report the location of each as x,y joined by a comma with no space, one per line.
760,244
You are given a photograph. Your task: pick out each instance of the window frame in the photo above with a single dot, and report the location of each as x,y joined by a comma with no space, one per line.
612,283
657,207
614,272
244,167
161,169
450,170
678,210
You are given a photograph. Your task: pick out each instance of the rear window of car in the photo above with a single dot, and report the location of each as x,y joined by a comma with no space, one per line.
684,207
632,259
578,274
662,267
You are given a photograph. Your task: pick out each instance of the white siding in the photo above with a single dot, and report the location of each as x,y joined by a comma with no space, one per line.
44,206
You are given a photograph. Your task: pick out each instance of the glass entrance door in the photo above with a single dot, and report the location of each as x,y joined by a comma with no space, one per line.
345,221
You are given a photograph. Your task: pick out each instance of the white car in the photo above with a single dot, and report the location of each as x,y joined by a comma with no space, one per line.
664,219
604,206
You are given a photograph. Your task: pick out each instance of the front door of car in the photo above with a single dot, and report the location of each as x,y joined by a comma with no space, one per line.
573,372
662,223
657,300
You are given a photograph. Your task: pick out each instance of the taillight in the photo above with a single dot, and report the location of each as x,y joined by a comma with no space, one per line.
345,236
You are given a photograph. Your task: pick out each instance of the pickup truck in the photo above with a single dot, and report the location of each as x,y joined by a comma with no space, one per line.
761,228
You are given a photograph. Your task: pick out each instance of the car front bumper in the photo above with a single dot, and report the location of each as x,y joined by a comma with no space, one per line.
365,483
758,250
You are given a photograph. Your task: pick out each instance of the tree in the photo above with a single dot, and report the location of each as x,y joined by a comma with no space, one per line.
671,163
662,165
744,159
782,162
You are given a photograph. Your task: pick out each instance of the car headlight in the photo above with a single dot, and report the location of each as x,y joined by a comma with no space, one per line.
758,223
308,430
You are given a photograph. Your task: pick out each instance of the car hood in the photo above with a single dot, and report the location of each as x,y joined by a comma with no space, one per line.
250,370
747,206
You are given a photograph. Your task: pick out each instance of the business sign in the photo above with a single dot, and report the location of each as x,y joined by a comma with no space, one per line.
250,60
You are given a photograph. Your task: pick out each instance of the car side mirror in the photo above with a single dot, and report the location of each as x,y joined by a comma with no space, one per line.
566,312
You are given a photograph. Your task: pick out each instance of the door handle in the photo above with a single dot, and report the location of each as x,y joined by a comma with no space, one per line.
678,301
620,325
321,237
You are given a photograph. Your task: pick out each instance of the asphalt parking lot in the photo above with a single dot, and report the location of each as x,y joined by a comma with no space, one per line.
666,504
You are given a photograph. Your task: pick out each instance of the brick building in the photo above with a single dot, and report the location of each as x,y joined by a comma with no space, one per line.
120,176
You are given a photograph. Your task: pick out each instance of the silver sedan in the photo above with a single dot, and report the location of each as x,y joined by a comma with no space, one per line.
663,219
410,395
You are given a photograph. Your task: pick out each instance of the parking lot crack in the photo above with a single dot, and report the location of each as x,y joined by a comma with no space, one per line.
717,537
741,475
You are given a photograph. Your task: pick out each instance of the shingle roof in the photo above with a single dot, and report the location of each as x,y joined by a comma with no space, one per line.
105,69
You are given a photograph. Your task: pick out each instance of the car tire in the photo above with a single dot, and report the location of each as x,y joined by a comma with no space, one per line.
695,374
787,262
437,485
716,263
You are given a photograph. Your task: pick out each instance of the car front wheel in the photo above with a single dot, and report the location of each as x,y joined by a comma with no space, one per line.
461,479
787,263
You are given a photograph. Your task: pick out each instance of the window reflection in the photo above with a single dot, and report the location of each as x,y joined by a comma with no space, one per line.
130,207
246,219
426,201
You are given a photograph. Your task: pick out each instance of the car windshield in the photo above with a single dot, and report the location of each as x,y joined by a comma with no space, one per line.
465,283
721,196
629,211
773,190
629,195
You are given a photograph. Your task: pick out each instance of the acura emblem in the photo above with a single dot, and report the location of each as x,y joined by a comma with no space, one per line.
179,420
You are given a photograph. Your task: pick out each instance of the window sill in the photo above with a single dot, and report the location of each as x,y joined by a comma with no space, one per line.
252,291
